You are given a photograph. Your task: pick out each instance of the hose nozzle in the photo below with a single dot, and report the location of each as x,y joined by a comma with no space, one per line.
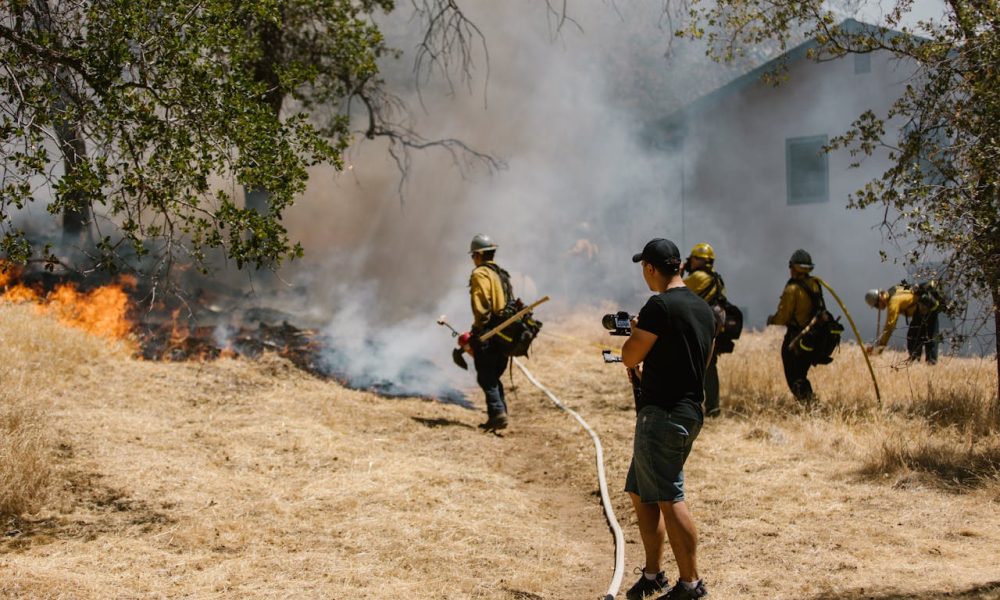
443,322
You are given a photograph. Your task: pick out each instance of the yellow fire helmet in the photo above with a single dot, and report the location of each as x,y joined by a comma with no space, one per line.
704,251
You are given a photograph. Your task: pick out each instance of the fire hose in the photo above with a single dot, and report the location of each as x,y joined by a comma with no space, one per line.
609,513
861,343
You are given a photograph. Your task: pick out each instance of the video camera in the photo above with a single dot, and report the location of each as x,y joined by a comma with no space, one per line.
619,323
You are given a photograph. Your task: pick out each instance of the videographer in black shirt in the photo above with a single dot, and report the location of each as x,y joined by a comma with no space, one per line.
672,339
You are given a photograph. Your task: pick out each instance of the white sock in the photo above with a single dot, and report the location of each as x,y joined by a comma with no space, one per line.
650,576
690,585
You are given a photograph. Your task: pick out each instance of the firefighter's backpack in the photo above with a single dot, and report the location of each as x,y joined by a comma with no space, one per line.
824,334
728,316
930,299
516,338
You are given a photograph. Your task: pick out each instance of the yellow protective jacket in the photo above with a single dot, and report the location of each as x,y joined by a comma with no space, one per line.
795,309
487,294
902,301
702,282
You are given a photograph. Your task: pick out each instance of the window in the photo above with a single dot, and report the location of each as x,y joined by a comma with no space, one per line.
862,63
807,173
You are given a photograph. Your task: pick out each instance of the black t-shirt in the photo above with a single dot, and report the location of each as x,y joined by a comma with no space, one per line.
673,372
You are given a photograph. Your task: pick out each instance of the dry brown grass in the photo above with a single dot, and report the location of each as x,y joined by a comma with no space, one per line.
24,464
936,421
957,391
239,479
939,459
797,502
34,348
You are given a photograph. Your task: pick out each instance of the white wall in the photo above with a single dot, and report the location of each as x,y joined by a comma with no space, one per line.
735,195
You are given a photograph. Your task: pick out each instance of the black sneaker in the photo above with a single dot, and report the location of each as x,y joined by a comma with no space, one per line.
679,592
495,423
644,586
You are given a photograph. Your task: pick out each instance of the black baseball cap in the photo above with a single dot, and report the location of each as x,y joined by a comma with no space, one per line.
659,251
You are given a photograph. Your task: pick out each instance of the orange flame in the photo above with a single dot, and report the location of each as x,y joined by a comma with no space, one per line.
19,293
14,290
179,331
9,272
103,311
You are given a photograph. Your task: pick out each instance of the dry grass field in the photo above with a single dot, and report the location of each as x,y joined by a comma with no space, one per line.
239,479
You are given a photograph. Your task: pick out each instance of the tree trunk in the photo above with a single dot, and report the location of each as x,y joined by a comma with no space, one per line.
996,338
265,71
76,213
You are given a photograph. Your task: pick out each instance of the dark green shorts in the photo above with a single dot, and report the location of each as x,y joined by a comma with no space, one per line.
662,445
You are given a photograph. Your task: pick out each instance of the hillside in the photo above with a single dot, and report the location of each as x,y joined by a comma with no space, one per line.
241,479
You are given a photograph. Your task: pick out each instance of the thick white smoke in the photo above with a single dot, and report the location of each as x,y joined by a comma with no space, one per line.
583,189
580,194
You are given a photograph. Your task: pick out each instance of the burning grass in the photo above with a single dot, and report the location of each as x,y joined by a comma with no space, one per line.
210,326
104,310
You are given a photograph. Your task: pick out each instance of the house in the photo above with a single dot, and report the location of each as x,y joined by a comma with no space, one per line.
749,175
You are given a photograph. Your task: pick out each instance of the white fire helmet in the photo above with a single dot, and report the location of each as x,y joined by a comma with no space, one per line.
872,297
482,243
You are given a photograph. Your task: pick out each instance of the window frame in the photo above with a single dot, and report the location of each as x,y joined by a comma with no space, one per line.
824,196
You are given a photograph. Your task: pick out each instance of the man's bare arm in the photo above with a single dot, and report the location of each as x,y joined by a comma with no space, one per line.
637,346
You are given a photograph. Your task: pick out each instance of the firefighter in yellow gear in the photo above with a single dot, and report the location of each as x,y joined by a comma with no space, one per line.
486,292
706,283
796,309
921,336
489,290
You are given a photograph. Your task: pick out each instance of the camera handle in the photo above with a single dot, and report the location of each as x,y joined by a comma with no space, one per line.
611,358
633,374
